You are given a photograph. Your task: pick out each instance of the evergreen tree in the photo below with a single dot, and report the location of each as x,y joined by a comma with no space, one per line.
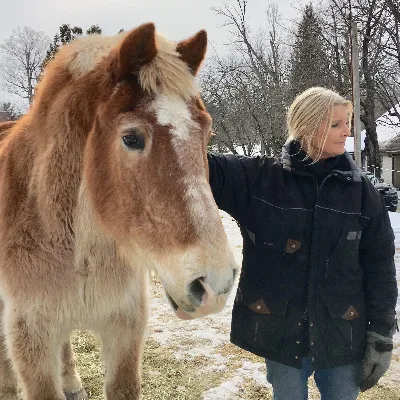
310,65
66,35
94,29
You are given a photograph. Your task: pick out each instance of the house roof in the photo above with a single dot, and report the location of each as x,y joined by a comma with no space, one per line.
5,116
387,130
391,145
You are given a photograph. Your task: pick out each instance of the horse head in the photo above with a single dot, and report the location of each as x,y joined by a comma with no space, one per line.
145,163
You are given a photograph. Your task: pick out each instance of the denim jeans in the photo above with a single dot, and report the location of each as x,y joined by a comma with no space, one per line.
288,383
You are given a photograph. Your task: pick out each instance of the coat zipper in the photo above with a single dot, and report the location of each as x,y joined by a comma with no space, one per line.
314,270
326,268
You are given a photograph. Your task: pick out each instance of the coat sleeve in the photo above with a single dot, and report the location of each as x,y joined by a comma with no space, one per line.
232,180
377,260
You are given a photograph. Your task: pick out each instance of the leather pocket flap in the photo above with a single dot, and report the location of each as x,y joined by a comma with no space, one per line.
343,309
275,242
265,304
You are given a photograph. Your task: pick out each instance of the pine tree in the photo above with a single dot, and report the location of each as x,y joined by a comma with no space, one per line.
310,65
94,29
67,34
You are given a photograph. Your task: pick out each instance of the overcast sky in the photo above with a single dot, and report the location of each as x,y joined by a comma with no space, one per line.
177,19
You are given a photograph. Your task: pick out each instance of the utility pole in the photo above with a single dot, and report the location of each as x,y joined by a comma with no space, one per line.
356,94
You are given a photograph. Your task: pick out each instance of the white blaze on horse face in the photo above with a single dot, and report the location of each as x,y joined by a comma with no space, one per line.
210,258
174,112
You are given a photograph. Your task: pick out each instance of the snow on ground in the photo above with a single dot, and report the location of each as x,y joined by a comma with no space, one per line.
393,378
206,336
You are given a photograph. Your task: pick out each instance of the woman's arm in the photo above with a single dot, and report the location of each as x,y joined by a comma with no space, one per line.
232,180
377,260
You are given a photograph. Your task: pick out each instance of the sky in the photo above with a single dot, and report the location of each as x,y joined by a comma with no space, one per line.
206,336
177,19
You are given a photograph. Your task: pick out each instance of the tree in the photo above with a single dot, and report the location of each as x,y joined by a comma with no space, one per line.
371,46
23,55
387,79
93,29
247,92
336,33
66,35
310,63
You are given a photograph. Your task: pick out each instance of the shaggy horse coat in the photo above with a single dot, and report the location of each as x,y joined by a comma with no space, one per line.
105,178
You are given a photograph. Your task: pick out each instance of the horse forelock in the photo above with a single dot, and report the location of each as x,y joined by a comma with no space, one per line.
167,73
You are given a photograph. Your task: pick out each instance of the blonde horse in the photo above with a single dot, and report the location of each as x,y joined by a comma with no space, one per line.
105,178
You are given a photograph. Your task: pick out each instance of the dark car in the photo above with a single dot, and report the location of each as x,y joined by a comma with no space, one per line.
388,192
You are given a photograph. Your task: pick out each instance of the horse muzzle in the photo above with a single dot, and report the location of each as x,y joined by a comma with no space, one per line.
203,300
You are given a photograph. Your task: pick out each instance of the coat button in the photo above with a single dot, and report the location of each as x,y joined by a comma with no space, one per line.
298,341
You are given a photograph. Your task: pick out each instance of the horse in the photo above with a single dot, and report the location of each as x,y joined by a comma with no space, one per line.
103,180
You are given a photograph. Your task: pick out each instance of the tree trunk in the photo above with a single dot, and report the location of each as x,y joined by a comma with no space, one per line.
368,118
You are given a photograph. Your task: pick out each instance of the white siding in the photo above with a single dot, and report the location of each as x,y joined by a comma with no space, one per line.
387,168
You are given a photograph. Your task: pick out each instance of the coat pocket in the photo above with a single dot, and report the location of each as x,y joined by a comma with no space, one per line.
343,262
345,331
278,243
275,228
258,320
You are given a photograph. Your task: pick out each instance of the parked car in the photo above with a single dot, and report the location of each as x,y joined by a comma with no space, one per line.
388,192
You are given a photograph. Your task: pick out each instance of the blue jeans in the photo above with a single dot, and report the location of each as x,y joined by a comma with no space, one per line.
288,383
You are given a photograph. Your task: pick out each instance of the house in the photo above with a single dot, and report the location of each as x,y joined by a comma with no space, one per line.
390,155
388,131
5,116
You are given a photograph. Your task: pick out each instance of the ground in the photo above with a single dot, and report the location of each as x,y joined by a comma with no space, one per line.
193,360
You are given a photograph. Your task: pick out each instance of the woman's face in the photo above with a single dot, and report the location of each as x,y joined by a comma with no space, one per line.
337,133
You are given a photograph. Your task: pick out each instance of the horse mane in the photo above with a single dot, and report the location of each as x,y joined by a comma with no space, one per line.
5,126
167,73
5,129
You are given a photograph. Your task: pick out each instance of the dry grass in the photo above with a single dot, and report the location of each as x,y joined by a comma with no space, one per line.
166,378
163,376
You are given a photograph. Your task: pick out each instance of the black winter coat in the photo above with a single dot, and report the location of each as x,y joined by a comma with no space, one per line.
318,259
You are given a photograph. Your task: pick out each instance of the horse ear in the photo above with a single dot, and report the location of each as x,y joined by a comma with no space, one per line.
193,50
136,50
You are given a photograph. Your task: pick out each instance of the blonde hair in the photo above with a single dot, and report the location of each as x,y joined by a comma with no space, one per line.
306,116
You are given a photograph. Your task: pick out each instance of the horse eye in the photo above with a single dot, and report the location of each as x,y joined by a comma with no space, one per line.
134,140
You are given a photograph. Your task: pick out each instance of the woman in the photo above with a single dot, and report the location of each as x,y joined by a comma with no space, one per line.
317,291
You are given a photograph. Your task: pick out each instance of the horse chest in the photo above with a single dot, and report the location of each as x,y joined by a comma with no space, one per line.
110,285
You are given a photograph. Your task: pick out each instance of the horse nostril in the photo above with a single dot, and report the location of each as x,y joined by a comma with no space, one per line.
197,289
235,272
